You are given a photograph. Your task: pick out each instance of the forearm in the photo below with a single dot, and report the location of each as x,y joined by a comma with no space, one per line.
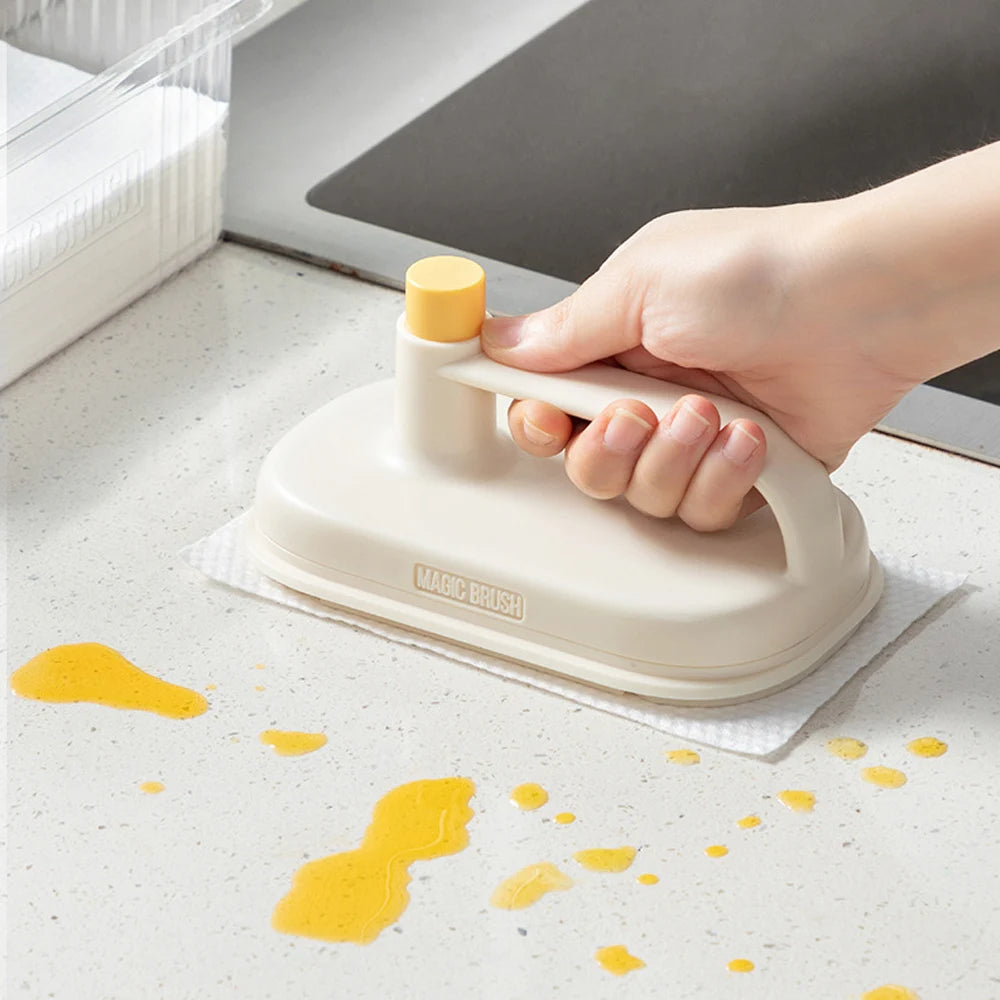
916,263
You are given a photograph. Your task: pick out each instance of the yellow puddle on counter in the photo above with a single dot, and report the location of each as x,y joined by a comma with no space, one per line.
717,851
684,757
847,748
797,800
884,777
740,965
647,879
890,992
355,895
528,886
152,787
563,818
529,796
617,960
605,859
927,746
748,822
287,743
91,672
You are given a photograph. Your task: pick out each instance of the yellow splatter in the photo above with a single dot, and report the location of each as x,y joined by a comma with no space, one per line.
890,993
648,879
617,960
847,748
684,757
564,818
529,796
259,666
748,822
211,687
884,777
529,885
355,895
292,744
797,800
605,859
152,787
258,687
717,851
927,746
740,965
89,671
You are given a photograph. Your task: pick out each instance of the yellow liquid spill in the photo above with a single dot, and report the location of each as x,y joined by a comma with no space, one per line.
292,744
529,796
740,965
796,800
648,879
605,859
927,746
152,787
355,895
847,748
258,687
884,777
211,687
617,960
683,757
259,666
528,886
88,671
564,818
890,993
748,822
717,851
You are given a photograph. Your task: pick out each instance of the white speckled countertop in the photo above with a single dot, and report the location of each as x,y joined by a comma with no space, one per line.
147,434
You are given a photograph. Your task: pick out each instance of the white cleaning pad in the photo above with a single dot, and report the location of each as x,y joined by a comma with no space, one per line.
758,727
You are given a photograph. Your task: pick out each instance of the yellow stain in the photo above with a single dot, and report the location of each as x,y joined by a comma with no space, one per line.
564,818
355,895
683,757
89,671
617,960
748,822
847,748
259,666
927,746
797,800
605,859
258,687
890,993
648,879
211,687
740,965
292,744
528,886
152,787
529,796
884,777
717,851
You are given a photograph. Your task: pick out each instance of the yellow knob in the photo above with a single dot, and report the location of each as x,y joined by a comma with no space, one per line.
445,299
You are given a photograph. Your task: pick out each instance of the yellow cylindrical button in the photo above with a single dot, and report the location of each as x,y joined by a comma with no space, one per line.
445,299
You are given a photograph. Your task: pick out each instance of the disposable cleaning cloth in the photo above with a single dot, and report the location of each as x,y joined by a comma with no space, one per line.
759,727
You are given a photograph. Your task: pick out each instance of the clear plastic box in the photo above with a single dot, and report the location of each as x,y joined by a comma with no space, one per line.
112,156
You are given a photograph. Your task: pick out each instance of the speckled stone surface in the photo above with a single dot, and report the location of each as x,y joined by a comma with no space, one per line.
147,434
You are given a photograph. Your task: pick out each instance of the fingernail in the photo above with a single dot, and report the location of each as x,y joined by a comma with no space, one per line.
503,332
741,445
688,425
626,432
535,434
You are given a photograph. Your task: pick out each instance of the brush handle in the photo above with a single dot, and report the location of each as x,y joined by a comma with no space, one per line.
795,485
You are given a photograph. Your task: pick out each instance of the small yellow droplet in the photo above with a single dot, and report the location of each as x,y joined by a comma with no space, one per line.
564,818
648,879
529,796
717,851
740,965
258,687
528,886
927,746
797,800
211,687
292,744
884,777
890,993
847,748
748,822
683,757
617,960
152,787
605,859
259,666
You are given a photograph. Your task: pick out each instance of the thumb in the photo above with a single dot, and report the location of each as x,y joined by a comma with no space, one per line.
603,317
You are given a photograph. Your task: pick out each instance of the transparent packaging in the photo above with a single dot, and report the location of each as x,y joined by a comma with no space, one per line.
112,156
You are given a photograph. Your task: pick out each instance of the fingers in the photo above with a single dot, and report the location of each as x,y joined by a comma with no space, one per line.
539,428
